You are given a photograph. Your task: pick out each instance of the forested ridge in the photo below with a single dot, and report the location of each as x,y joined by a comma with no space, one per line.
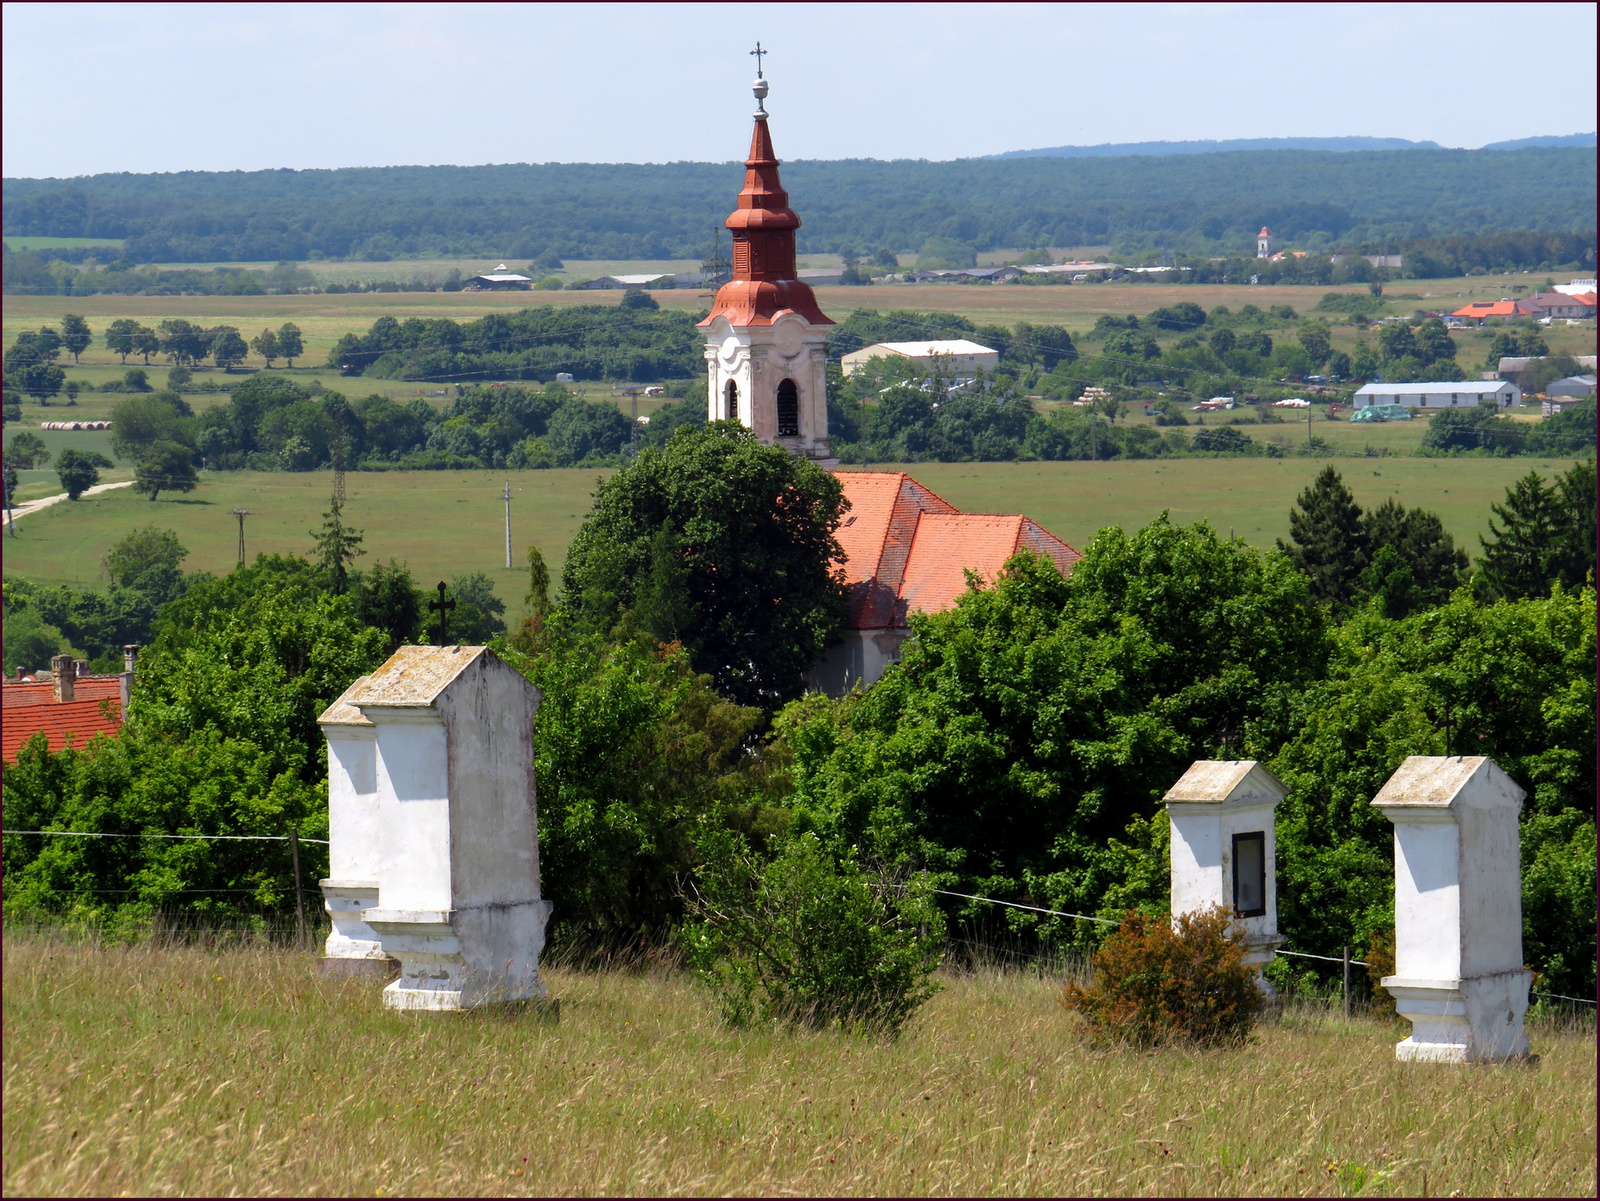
1184,203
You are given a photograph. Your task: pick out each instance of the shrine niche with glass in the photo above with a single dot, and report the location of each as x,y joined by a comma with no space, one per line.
1223,847
1250,874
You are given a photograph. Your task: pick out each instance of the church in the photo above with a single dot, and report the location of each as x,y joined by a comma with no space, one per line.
907,549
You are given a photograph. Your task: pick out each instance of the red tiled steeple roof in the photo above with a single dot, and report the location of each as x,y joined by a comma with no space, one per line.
75,720
764,284
907,548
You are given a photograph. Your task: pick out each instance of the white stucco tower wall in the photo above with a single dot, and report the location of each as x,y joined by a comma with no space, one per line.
353,947
458,902
757,360
1217,808
1459,976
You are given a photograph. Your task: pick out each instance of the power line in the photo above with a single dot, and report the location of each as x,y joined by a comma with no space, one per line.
203,837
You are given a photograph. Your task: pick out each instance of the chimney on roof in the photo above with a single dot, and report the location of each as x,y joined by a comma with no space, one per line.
62,674
81,668
130,656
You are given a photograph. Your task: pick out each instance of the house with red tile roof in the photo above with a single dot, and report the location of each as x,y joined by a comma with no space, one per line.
908,550
66,723
1484,311
68,708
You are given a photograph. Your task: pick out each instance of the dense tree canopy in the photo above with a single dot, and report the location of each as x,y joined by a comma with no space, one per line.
1204,204
724,545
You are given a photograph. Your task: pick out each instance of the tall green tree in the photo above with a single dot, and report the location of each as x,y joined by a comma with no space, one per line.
291,345
386,597
336,547
165,467
1327,539
79,470
75,335
1545,535
41,380
1420,562
148,559
265,344
228,347
120,336
732,537
26,451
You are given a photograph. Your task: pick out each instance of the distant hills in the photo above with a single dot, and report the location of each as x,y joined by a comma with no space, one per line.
1196,203
1567,139
1125,149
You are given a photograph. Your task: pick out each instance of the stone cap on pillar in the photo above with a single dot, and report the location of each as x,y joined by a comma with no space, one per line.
414,677
1441,784
1233,783
342,712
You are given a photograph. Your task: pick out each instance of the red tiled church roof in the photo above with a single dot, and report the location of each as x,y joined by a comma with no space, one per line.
77,720
907,548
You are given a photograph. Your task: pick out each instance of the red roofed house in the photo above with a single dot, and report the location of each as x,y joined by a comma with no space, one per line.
69,708
1483,311
907,549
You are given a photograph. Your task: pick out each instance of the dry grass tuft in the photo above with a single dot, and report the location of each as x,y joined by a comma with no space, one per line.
149,1070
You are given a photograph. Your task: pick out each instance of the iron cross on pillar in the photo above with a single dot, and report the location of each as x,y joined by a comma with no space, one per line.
442,607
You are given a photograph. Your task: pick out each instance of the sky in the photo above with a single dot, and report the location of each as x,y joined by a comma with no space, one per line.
92,88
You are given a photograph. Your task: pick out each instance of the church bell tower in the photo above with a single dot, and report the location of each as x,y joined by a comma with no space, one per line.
766,339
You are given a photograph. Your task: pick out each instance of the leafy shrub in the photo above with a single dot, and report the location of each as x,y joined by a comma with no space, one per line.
1156,982
812,939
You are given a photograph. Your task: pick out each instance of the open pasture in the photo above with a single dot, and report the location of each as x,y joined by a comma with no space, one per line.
325,318
444,523
174,1071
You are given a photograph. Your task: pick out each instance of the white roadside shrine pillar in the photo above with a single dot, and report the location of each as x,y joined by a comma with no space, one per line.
1224,849
1458,972
353,947
458,902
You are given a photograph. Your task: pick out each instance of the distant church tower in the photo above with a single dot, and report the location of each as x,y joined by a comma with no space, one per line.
766,339
1264,243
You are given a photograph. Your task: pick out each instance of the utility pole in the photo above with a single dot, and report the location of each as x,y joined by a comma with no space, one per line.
241,514
507,499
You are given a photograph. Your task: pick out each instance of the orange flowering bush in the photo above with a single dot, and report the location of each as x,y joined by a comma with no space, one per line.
1158,982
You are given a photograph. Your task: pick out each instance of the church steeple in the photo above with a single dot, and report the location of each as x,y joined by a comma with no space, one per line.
766,339
764,281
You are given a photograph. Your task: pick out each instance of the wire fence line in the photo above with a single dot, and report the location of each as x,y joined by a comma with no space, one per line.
203,837
944,892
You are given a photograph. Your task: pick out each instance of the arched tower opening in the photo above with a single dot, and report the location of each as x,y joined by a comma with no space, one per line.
730,401
788,409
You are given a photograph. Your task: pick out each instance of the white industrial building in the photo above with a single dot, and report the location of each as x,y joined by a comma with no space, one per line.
1450,394
955,357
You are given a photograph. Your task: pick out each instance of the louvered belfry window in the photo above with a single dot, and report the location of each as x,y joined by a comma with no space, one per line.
788,410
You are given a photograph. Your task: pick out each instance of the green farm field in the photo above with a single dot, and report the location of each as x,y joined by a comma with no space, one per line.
443,523
325,318
151,1070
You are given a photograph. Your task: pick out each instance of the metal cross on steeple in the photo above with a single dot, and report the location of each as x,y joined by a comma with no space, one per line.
442,607
758,52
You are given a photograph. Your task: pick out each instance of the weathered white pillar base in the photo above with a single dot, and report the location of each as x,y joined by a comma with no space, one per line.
1258,953
353,949
1477,1020
439,972
351,937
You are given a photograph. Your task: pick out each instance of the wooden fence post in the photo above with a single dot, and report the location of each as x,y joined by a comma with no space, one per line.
300,904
